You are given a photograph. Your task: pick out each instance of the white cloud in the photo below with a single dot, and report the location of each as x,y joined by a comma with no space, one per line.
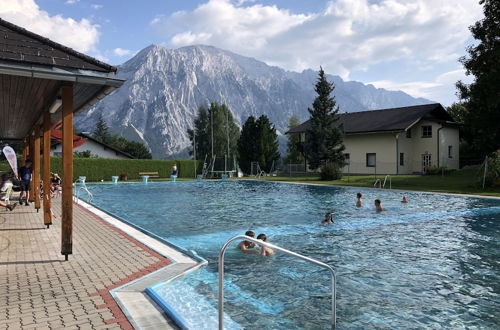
347,35
96,6
80,35
121,52
441,89
71,2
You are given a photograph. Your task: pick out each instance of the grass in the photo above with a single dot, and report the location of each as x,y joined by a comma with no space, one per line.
465,181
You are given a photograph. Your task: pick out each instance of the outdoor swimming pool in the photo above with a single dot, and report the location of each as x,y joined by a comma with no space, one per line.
431,263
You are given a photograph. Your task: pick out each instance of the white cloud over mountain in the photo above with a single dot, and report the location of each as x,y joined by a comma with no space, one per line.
80,35
346,35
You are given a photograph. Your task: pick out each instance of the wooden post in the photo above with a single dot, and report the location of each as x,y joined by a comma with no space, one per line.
31,152
47,214
36,167
67,167
25,151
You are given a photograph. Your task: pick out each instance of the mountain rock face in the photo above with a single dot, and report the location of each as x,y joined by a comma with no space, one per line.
164,87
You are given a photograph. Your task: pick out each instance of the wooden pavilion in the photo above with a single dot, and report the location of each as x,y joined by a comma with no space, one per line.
43,83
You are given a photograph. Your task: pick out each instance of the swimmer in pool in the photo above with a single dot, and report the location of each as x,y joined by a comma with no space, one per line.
359,202
404,200
246,246
378,206
265,251
328,219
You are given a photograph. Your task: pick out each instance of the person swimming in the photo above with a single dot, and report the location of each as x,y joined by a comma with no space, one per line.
378,206
247,246
265,251
328,219
404,200
359,202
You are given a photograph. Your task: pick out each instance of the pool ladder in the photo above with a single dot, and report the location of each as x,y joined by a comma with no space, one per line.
382,185
272,246
83,188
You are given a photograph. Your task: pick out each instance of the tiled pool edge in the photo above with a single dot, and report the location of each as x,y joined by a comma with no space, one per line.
194,261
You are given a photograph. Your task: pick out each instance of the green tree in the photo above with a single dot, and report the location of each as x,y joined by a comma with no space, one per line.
247,146
324,140
135,149
219,119
101,132
267,143
258,142
482,97
294,155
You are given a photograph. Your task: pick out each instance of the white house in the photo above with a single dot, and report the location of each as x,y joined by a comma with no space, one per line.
96,148
403,140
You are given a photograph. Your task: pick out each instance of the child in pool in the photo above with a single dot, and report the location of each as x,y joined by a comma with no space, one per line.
328,219
265,251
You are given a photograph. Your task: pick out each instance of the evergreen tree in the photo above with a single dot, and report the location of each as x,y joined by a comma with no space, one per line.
225,131
324,140
247,146
482,97
101,132
267,143
135,149
258,142
294,155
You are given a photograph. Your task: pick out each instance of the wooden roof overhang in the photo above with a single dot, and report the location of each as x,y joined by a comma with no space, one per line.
27,90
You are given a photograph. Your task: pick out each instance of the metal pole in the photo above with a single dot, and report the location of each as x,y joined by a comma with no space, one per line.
485,170
272,246
212,129
227,133
194,150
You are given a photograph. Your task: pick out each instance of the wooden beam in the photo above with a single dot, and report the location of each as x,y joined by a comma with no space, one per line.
36,167
25,152
47,213
67,167
31,152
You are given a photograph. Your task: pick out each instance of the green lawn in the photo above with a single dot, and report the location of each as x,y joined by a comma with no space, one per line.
464,181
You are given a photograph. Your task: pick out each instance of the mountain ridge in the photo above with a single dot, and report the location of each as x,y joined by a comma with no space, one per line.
164,87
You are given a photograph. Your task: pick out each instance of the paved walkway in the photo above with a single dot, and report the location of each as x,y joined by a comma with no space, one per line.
39,290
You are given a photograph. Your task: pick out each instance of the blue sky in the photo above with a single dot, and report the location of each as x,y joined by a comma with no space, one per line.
409,45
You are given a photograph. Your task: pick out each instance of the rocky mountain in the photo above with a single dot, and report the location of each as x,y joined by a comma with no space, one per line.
164,87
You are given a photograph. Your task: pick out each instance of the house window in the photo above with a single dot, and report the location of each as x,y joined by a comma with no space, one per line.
347,158
401,159
408,134
450,152
371,160
427,131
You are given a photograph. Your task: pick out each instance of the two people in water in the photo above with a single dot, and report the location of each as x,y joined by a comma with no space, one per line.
251,247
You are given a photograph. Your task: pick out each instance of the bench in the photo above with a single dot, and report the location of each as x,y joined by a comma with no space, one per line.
150,174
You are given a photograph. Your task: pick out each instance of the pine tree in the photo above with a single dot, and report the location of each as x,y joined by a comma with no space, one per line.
101,132
267,143
247,146
294,156
482,97
324,140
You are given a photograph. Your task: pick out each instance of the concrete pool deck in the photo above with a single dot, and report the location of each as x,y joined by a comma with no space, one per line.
100,287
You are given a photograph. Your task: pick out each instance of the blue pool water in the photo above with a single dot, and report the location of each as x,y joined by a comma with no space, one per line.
432,263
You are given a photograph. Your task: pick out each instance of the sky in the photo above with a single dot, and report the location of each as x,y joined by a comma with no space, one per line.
408,45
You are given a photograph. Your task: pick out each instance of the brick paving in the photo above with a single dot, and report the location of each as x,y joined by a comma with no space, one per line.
39,290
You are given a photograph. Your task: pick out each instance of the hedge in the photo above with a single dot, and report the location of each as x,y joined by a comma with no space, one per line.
97,169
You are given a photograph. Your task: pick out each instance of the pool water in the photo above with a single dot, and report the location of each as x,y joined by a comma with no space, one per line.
431,263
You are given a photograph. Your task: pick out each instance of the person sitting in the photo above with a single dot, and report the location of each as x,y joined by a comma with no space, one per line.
378,206
359,202
265,251
404,200
9,207
55,183
328,219
5,184
247,246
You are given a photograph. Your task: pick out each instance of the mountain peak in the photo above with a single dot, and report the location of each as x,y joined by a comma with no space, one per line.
164,88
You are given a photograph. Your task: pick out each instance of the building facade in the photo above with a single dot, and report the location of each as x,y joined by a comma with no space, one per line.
406,140
96,148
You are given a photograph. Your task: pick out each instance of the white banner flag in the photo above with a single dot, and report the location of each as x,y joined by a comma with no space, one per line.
10,154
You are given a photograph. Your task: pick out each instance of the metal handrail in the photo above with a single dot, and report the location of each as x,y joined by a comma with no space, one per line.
390,181
85,189
272,246
379,183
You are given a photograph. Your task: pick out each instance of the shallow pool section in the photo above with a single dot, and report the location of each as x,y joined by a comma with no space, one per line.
431,263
